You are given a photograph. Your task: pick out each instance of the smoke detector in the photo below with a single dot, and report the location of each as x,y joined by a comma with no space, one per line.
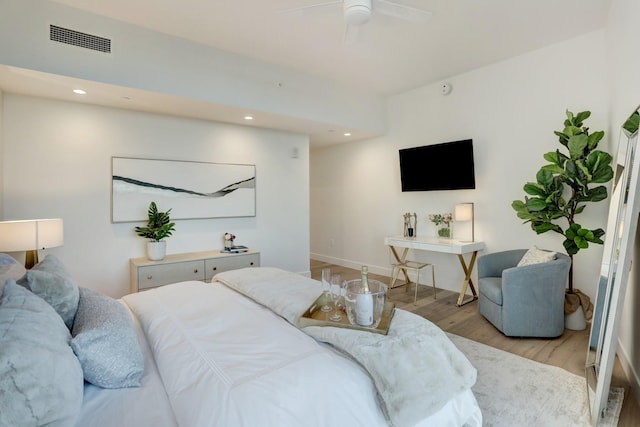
357,12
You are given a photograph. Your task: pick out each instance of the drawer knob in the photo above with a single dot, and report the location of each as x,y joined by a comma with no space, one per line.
149,277
252,263
195,270
215,268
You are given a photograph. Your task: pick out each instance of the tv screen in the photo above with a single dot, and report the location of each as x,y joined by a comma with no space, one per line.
446,166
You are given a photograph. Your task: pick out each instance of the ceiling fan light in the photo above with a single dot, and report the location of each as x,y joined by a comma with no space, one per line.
357,12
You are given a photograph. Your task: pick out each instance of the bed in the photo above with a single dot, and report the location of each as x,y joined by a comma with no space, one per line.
228,353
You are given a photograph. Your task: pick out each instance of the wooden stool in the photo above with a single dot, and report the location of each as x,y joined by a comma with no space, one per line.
413,266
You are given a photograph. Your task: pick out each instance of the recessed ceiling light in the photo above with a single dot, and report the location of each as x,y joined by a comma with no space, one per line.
79,92
248,117
347,134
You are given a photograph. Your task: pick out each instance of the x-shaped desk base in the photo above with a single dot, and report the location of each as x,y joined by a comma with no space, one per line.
446,246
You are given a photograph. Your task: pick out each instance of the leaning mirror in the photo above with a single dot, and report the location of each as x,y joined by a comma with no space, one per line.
614,271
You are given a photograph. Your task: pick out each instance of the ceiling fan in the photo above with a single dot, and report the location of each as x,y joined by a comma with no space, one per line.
358,12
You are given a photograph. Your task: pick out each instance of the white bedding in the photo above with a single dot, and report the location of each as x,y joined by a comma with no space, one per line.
223,360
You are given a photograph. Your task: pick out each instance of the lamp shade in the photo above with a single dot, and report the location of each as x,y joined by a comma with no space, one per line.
464,212
31,234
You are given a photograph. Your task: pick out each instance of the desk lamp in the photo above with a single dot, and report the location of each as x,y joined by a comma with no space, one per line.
464,212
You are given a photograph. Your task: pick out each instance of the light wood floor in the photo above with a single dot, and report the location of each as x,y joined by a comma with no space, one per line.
568,351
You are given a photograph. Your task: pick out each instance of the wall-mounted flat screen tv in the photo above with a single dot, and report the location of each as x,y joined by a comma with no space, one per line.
446,166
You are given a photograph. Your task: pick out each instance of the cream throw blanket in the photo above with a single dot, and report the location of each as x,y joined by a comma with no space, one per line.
415,367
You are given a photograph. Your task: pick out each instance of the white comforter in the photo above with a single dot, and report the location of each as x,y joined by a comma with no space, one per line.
215,358
415,367
225,361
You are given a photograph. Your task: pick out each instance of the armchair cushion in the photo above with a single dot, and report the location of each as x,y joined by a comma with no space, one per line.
536,256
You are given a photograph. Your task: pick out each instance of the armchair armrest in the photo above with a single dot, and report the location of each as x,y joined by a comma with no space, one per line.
492,265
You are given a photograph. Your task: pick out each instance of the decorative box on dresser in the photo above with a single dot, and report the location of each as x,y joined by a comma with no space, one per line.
147,274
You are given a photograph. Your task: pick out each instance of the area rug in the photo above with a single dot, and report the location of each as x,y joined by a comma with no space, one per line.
513,391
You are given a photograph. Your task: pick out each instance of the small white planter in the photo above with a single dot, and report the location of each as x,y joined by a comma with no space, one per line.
156,250
576,320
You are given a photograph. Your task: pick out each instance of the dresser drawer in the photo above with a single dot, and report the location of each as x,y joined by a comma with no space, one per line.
218,265
162,274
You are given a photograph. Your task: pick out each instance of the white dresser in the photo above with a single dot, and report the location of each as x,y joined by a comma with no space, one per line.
146,274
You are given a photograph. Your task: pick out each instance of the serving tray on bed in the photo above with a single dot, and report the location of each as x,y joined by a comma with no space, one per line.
316,317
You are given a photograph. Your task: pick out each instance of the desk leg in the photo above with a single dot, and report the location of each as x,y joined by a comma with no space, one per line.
467,279
401,260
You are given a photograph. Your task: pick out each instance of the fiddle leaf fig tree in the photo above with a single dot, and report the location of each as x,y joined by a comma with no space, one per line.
565,184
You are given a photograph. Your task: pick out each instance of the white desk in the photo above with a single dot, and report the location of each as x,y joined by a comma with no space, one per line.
435,244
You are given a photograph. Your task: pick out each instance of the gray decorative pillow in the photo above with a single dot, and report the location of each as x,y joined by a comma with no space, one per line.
10,269
40,377
536,256
106,343
50,280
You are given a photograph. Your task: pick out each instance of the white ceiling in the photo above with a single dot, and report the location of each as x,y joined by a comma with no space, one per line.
390,55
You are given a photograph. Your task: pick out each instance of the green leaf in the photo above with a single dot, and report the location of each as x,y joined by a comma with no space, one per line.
599,164
570,247
535,204
544,178
553,168
571,169
518,205
584,173
632,123
577,144
596,194
552,157
534,189
595,138
581,117
543,227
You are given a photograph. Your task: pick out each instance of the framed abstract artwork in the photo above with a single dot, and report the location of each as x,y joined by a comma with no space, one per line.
190,189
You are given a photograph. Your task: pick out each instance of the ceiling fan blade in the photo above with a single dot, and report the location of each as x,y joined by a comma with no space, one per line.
400,11
301,9
351,34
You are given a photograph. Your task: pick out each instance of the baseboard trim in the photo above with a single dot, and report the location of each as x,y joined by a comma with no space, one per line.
382,271
629,371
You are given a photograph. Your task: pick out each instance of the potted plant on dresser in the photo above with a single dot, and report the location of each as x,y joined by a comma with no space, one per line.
159,227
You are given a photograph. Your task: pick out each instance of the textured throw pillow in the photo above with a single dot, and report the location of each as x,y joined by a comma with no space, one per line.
106,343
40,377
50,280
10,269
536,256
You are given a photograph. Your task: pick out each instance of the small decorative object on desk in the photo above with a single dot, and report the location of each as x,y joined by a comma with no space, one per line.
443,223
229,247
410,224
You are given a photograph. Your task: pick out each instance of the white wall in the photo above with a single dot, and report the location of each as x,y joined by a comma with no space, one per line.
510,110
57,163
623,59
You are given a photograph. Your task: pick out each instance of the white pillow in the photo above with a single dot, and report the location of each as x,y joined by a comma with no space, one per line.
536,256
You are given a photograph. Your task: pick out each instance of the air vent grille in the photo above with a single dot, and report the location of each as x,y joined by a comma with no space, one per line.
77,38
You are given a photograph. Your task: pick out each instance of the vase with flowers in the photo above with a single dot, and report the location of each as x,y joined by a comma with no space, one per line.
443,223
228,240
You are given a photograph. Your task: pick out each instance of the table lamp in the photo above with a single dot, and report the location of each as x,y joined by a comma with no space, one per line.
31,235
464,212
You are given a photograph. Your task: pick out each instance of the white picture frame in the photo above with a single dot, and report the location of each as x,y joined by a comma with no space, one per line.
191,189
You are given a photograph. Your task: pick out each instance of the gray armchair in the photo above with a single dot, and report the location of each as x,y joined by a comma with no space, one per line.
525,301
